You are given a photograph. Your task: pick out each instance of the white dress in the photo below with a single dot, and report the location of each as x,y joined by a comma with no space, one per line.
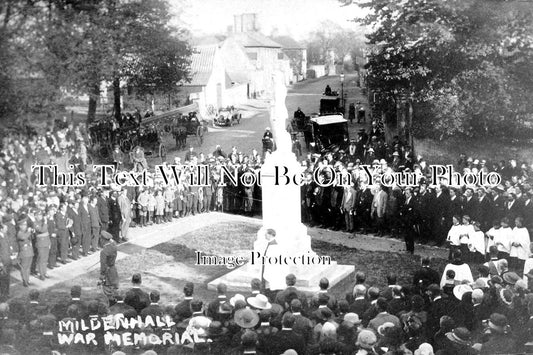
520,236
462,272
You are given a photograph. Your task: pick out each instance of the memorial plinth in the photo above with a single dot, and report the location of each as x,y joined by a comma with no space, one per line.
281,201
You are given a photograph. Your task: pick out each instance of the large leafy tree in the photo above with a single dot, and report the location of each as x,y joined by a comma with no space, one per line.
452,66
79,44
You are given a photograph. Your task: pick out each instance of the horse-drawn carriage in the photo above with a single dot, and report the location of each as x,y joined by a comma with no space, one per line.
188,125
227,117
103,135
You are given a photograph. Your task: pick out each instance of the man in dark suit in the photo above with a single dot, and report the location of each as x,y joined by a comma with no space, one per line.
484,209
75,228
115,218
85,220
442,216
287,338
456,203
398,303
75,299
439,306
284,297
360,304
5,263
94,216
103,209
470,204
154,309
120,308
213,306
383,316
408,217
426,209
360,279
498,204
183,309
513,208
332,300
302,325
372,311
391,283
136,297
425,276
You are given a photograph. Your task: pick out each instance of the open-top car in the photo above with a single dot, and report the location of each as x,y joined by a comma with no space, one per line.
227,117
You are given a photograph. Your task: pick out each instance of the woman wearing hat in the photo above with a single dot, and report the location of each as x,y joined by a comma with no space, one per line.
25,256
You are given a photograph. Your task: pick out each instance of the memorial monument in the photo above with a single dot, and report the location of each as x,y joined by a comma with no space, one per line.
282,212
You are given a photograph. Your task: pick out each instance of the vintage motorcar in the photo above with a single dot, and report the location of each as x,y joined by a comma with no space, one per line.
227,117
327,131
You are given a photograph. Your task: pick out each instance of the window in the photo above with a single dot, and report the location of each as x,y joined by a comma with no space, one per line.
280,55
252,56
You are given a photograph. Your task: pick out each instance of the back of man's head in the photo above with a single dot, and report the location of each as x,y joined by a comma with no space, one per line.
249,339
136,279
154,296
255,284
34,295
450,274
426,261
296,305
288,320
75,291
373,293
188,289
290,280
493,251
222,288
391,279
360,277
323,283
196,305
382,304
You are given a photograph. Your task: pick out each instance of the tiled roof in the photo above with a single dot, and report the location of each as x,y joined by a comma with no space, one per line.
255,39
287,42
202,61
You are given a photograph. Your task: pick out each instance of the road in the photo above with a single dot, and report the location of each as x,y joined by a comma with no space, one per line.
248,134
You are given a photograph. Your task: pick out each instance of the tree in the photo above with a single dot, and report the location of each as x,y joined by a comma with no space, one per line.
121,41
459,62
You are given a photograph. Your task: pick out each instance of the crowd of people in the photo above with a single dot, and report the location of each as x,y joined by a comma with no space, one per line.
43,226
423,316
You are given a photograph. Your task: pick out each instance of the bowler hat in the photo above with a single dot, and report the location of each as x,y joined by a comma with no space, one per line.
459,335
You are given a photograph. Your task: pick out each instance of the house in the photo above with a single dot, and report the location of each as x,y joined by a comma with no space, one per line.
210,86
297,54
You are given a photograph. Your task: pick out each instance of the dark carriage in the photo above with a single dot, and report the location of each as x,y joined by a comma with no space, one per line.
331,105
188,125
327,131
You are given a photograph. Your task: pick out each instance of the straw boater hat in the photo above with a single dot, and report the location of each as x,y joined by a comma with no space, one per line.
259,301
352,318
246,318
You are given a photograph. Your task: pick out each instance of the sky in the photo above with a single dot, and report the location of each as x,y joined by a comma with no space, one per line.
296,18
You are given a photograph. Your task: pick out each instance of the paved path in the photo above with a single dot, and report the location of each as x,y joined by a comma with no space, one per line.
148,237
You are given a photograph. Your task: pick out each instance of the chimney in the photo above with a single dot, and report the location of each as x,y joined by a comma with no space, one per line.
245,23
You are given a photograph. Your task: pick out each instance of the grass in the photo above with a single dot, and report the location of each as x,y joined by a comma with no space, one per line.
168,266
